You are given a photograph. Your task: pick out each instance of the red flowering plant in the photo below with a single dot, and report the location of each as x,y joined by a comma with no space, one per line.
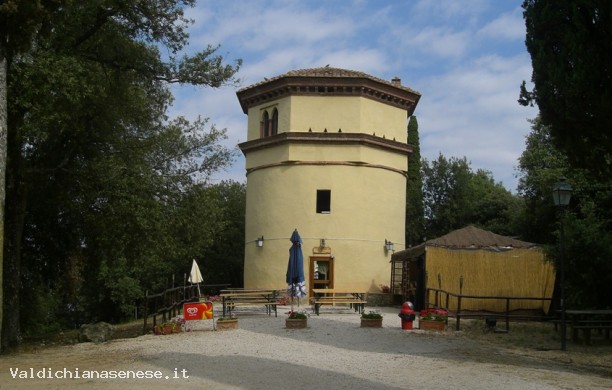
297,315
433,314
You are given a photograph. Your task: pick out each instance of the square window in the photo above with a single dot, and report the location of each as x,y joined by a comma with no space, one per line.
323,201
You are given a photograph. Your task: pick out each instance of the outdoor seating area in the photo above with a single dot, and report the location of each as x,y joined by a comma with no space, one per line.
586,321
355,299
268,298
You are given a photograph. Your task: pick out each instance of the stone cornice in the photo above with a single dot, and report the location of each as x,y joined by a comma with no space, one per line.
326,139
345,83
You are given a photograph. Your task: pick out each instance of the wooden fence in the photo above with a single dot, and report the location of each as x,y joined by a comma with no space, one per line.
169,304
441,300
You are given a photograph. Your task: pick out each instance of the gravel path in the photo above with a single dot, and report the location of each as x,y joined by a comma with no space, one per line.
333,353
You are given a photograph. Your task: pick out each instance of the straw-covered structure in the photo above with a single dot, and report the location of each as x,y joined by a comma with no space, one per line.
490,265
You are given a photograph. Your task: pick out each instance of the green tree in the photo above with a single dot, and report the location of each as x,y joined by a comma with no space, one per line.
19,21
446,194
493,207
98,179
223,261
540,166
570,42
587,241
587,251
415,213
455,197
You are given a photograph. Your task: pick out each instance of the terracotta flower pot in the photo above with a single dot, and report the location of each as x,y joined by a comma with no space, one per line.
432,325
371,323
296,323
168,329
227,325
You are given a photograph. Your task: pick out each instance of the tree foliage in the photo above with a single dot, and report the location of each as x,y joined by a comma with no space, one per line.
455,197
19,21
105,194
223,260
570,43
415,213
587,225
540,166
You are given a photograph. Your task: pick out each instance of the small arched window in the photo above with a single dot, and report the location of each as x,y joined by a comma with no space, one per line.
265,125
275,122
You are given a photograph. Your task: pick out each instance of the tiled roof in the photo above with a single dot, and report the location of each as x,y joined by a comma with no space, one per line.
327,71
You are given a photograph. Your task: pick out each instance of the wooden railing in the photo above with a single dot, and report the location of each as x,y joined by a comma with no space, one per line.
438,294
169,303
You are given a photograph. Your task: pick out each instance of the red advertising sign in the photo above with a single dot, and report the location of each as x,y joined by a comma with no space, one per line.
198,311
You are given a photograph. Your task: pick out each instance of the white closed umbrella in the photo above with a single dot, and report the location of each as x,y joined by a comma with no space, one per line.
195,276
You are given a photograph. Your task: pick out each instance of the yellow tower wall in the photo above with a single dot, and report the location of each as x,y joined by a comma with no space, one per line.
367,207
349,113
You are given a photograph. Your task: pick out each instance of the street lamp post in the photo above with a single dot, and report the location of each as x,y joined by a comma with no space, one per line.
562,193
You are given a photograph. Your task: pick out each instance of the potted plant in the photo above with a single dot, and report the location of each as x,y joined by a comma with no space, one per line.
173,326
179,324
227,323
296,320
371,319
433,319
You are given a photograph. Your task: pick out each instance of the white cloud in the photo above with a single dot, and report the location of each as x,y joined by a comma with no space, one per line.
440,42
450,10
472,111
509,26
466,58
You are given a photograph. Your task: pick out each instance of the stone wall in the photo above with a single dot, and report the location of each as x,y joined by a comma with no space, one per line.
380,299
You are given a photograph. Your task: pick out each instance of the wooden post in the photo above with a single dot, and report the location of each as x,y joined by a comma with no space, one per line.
459,303
145,312
508,314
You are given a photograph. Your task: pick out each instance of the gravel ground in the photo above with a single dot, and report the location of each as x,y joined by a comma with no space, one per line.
332,353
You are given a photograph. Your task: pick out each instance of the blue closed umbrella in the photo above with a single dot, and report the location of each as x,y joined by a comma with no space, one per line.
296,286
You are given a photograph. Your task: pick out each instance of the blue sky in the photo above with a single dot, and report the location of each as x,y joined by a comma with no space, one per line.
466,57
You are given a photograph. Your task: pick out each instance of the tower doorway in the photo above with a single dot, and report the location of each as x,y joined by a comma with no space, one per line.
321,273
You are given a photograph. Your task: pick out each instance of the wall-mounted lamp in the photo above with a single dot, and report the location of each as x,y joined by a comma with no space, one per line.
322,243
259,241
388,245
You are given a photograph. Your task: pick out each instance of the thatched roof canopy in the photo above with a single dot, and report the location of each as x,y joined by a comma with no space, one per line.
469,237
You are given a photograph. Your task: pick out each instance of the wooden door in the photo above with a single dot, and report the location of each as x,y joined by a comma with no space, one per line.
321,273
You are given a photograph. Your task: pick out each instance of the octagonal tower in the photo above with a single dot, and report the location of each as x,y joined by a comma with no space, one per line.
326,153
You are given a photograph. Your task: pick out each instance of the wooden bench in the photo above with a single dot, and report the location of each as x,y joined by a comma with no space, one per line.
587,320
587,325
338,297
253,297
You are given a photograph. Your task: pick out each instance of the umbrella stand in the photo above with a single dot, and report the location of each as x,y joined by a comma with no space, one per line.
295,269
294,294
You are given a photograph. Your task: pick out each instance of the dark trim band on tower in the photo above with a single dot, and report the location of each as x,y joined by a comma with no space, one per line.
326,163
326,138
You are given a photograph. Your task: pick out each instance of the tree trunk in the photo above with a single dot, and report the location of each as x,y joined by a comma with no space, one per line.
11,327
13,212
3,143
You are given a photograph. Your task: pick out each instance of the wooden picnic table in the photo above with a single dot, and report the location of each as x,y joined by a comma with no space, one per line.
587,320
249,297
333,296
